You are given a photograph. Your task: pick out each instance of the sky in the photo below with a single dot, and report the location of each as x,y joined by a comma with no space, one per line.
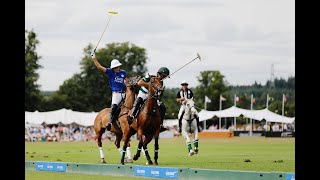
239,38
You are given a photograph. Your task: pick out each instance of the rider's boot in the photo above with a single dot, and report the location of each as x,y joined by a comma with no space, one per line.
112,112
136,106
162,112
162,128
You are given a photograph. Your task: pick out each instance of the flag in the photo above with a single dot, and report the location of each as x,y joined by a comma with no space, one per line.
222,98
284,98
238,99
206,99
254,101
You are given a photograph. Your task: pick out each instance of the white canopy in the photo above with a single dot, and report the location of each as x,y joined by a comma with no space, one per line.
64,116
253,114
67,116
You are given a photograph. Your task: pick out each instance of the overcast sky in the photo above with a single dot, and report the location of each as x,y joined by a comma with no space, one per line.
240,38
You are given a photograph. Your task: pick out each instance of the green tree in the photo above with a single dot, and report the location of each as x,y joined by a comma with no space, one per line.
212,84
89,90
33,98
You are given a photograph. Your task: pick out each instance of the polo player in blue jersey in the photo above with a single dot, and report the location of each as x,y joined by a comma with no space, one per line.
117,78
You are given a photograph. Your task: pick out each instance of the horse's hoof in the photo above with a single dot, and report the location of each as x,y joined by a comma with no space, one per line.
103,161
156,163
149,163
129,161
135,157
196,151
191,153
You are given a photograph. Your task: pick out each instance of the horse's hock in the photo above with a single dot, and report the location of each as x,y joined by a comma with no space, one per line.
216,134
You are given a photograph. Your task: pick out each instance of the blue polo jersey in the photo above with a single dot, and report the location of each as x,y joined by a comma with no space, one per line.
116,80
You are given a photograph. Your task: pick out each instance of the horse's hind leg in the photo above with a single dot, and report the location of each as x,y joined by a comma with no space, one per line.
100,147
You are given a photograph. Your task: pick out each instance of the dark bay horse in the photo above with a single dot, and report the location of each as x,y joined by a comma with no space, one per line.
147,123
102,117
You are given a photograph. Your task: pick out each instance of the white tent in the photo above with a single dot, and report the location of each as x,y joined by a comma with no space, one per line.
67,116
253,114
64,116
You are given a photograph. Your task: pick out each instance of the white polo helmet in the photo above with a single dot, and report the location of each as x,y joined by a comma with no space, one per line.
184,82
115,63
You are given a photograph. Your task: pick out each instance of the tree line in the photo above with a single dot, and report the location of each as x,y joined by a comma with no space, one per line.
89,90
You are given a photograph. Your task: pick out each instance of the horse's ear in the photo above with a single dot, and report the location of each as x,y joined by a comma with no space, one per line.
127,81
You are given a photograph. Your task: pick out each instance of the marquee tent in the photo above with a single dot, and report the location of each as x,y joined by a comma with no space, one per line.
67,116
233,111
64,116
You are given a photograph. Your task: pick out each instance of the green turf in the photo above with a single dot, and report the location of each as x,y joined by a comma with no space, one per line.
264,154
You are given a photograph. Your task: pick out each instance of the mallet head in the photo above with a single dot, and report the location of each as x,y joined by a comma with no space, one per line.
199,56
113,12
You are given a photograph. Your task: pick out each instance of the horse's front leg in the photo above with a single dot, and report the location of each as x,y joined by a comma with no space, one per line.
126,138
146,141
117,142
185,134
137,155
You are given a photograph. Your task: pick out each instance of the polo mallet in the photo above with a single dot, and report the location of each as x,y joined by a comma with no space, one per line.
198,57
110,12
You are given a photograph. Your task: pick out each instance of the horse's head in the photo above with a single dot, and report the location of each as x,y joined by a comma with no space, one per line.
155,87
190,108
132,81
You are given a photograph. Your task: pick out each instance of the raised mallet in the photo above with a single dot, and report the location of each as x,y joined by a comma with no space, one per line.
110,12
198,57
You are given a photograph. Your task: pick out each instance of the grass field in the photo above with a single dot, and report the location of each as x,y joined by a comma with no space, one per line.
264,154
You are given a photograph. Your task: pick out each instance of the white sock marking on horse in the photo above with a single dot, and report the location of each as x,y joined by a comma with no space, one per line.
144,153
101,153
128,153
120,150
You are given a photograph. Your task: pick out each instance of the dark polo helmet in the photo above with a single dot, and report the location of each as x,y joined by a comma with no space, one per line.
164,71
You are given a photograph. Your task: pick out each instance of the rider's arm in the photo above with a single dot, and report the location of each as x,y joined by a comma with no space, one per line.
179,98
143,83
98,65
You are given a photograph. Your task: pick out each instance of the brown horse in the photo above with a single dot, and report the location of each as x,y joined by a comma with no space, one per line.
102,117
147,123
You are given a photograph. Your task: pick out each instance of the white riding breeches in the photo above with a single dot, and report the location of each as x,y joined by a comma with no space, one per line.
182,108
142,95
117,97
